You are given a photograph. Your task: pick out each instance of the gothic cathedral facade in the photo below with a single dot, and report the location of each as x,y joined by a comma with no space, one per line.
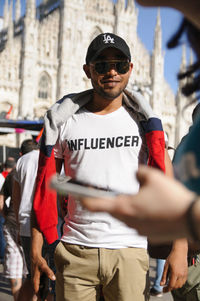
43,51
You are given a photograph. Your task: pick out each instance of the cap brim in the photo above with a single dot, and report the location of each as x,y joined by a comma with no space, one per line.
190,8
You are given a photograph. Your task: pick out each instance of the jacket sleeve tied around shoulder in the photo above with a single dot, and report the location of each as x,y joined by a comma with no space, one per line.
152,128
45,199
155,142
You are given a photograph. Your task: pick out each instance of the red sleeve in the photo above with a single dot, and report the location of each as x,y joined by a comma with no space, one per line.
156,145
155,142
45,200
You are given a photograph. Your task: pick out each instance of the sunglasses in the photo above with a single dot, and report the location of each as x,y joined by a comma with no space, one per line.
102,67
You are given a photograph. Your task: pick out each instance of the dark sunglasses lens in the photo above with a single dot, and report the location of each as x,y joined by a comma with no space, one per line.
102,67
122,67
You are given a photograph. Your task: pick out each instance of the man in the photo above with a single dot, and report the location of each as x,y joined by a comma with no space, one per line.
176,209
23,192
22,195
8,166
24,185
14,261
100,138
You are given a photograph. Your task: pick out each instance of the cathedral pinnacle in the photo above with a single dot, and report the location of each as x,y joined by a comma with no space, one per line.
183,60
120,5
130,5
17,10
158,35
30,9
6,14
10,22
182,70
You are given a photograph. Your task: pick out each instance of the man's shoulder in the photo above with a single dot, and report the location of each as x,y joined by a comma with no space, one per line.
75,96
28,157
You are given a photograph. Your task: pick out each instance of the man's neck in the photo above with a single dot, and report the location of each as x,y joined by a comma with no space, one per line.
102,106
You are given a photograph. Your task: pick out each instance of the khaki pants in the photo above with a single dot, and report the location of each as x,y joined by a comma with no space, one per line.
81,271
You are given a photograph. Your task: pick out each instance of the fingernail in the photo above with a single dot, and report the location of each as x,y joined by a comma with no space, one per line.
53,277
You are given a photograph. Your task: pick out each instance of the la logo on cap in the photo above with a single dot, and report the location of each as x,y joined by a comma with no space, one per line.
107,39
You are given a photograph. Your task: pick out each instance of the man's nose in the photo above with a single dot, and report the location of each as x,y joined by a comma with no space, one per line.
112,69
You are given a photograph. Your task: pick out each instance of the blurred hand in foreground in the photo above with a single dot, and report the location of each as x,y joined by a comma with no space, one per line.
158,210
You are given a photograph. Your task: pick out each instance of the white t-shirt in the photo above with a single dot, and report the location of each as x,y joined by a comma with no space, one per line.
2,180
101,150
26,172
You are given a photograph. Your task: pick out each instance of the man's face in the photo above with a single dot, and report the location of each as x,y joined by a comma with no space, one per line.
110,84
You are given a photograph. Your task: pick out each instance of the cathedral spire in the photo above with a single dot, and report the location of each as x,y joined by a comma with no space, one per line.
120,5
181,101
10,23
119,8
6,14
17,10
183,60
157,68
158,34
130,5
29,49
191,57
30,9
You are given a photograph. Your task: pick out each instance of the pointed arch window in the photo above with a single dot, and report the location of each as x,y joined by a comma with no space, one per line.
44,87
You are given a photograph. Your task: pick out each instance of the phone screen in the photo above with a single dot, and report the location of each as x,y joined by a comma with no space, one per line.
65,186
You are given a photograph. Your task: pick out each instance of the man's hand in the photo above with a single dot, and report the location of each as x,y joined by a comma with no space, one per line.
176,267
39,266
158,210
38,263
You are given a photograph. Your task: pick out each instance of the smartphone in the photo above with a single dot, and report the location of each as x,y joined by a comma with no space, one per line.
44,286
66,185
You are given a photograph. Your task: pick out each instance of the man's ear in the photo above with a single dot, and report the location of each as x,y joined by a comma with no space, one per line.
86,68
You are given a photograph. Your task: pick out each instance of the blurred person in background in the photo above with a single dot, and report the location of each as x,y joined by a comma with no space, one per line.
14,262
7,168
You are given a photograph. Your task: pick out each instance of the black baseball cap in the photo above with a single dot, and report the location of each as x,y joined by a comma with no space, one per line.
103,41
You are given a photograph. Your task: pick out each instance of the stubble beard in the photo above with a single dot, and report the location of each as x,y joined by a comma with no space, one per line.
108,94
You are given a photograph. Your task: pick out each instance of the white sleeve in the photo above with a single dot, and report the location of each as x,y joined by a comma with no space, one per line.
58,149
166,140
2,180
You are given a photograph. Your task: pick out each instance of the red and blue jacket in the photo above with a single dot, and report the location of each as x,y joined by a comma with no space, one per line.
45,200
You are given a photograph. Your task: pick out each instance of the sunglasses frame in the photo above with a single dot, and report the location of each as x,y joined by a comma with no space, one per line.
109,63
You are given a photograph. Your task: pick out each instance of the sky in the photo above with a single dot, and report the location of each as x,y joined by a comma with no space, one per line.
170,19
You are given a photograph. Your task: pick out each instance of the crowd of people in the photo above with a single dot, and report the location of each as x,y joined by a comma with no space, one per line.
108,137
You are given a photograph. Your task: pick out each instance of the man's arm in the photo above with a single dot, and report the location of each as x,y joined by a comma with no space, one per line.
2,203
38,263
16,197
176,266
176,263
3,197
